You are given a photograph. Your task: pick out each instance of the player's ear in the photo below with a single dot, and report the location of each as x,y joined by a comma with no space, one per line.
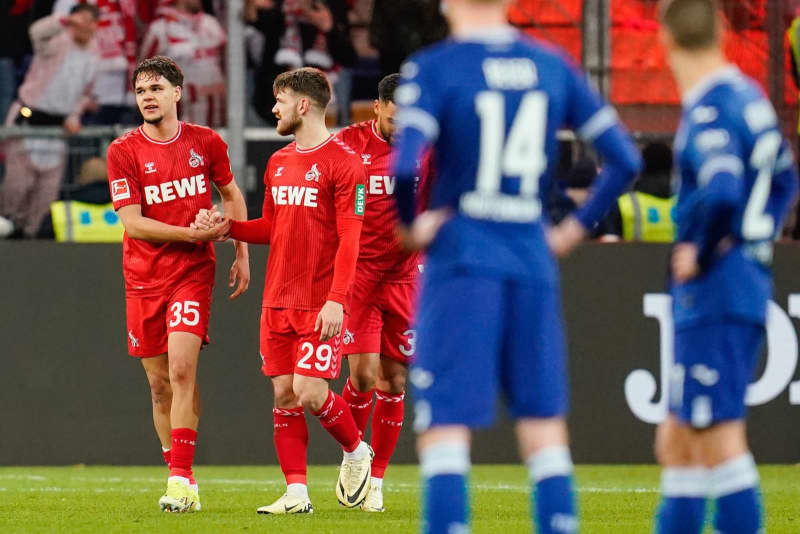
303,104
376,106
667,42
178,93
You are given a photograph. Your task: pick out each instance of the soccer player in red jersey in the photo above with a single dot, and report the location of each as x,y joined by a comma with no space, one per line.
379,339
160,174
313,207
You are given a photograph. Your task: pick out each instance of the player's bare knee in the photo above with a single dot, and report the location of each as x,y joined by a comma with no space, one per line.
182,374
284,394
160,389
311,394
392,377
363,379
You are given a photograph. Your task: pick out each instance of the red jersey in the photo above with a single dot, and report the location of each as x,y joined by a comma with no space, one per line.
308,193
171,181
379,245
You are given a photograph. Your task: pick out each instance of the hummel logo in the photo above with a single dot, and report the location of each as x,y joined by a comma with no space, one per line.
279,172
366,158
150,167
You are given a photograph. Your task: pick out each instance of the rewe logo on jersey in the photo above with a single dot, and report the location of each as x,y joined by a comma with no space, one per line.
279,172
168,191
381,185
293,195
195,160
313,174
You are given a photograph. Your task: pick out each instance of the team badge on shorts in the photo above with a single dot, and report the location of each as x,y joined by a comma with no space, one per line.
348,337
120,189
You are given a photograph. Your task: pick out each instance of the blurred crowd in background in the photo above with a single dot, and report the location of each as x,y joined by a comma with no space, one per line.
67,64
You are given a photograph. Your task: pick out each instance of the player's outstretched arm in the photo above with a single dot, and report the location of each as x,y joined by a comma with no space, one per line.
139,227
233,204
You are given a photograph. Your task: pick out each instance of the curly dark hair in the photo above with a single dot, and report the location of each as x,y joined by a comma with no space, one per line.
307,81
159,66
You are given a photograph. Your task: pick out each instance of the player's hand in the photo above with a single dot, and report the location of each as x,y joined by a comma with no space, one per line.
220,232
566,236
329,320
207,219
424,229
684,262
240,270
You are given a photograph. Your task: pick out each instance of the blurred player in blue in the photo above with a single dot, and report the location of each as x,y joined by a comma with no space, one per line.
737,180
490,101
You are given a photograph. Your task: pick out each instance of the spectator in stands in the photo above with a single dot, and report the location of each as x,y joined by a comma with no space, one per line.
16,17
647,212
56,92
196,41
116,40
400,28
297,33
86,214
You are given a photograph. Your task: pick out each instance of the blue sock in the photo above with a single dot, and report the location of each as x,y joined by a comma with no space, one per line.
553,506
734,484
444,468
683,500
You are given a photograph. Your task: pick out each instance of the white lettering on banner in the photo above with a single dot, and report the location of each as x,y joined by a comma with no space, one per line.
168,191
379,185
293,195
781,361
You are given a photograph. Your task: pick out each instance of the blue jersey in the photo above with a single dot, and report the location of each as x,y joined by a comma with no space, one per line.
491,106
736,178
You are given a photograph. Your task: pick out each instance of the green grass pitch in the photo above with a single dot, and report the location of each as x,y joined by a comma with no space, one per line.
612,499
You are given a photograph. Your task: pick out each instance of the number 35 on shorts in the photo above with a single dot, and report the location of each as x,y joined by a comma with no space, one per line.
186,312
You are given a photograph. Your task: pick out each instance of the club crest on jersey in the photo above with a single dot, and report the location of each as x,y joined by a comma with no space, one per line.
120,189
313,174
279,172
150,167
366,158
195,160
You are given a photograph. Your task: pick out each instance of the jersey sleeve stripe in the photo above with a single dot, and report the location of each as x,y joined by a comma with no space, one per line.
598,123
718,164
421,120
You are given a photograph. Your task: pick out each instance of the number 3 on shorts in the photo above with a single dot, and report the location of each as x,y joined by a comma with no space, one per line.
324,353
412,344
186,312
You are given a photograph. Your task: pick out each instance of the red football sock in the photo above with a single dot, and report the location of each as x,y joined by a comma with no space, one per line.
336,418
182,452
386,424
167,454
290,436
360,404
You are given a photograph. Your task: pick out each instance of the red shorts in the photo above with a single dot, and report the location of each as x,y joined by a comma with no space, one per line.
151,318
381,315
289,345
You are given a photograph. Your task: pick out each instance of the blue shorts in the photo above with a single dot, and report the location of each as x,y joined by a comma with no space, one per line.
478,335
714,363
